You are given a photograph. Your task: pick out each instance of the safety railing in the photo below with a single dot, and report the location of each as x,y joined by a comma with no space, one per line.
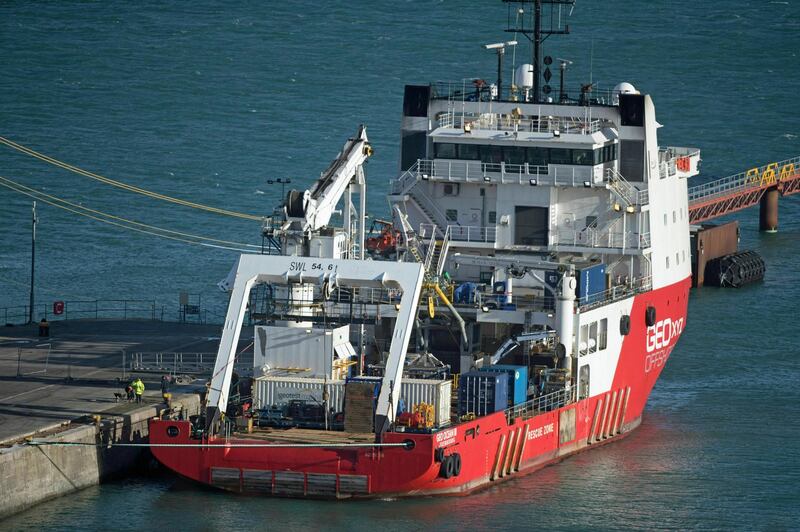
169,363
473,90
429,206
86,309
477,234
755,178
461,233
513,122
596,238
507,173
621,186
541,404
672,160
620,290
488,301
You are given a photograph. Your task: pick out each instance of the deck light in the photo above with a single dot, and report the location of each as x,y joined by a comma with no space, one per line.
533,182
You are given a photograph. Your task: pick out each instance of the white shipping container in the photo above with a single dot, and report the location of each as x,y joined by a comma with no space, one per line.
436,393
281,390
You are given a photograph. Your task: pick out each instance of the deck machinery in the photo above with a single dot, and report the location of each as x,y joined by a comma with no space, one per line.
544,259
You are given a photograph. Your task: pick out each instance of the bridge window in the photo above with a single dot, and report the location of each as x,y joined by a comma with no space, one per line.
492,217
446,151
469,152
560,156
492,154
451,215
519,155
538,156
514,155
582,157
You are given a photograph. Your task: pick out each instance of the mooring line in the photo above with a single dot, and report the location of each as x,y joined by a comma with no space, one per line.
37,443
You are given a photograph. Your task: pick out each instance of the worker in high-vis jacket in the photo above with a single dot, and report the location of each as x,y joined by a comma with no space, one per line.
138,389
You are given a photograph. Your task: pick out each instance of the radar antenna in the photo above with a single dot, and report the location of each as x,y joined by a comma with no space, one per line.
533,28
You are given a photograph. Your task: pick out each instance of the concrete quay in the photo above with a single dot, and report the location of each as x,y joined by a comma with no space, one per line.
62,388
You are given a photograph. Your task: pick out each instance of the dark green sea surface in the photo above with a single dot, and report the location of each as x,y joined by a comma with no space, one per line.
207,101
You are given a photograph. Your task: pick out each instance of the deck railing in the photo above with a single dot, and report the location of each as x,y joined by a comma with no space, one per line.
82,309
541,404
510,122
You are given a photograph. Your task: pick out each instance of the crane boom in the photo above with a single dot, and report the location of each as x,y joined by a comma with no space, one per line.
315,206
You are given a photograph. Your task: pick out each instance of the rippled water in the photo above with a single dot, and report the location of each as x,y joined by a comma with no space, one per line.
207,102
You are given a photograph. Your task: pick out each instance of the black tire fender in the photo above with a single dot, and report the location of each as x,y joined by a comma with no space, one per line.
650,316
456,458
447,468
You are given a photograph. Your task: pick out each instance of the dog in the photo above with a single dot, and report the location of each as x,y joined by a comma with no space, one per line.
119,396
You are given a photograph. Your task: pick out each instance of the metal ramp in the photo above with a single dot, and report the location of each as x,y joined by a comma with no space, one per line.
743,190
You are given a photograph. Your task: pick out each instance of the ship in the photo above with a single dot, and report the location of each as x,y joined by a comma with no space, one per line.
517,309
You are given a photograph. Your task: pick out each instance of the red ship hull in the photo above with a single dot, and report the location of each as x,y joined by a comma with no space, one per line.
491,448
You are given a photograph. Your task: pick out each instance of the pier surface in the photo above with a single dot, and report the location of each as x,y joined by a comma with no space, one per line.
45,382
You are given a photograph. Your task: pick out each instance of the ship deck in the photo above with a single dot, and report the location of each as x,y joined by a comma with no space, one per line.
298,435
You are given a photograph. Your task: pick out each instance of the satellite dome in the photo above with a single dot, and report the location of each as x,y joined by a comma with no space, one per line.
523,76
622,88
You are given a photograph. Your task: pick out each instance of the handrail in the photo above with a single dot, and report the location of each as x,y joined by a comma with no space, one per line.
621,186
510,122
458,171
465,90
543,403
597,238
443,251
88,308
753,179
615,293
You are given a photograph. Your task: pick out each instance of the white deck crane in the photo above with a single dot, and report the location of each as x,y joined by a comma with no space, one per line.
310,210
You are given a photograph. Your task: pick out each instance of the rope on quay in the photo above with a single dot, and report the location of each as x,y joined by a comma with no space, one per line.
119,184
37,443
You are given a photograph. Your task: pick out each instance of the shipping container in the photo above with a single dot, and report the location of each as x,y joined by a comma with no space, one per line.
482,392
433,392
416,391
279,391
517,381
591,283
